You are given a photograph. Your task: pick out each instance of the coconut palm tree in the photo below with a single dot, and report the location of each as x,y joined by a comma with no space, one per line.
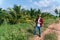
32,12
57,12
38,12
14,14
17,9
2,15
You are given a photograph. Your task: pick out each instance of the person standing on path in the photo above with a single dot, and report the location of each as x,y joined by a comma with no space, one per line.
39,22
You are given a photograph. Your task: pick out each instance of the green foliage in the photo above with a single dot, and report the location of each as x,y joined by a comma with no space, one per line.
57,12
26,18
14,14
17,15
50,37
22,31
1,21
14,32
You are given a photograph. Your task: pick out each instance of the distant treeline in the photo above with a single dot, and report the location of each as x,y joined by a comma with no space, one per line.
18,15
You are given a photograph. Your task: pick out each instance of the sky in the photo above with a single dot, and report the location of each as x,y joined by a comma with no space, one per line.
43,5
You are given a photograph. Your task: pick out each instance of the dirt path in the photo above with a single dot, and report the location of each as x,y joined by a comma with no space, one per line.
51,28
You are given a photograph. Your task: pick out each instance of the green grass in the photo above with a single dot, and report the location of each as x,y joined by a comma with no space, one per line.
47,22
51,36
20,31
14,32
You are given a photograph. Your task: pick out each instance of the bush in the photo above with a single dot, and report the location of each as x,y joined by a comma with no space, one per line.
51,36
12,32
1,21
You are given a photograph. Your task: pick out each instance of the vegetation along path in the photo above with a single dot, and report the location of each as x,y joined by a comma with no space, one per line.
54,27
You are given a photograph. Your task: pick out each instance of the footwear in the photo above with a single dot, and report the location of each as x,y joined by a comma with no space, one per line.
39,35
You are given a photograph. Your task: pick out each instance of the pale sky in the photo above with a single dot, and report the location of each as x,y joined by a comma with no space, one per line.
44,5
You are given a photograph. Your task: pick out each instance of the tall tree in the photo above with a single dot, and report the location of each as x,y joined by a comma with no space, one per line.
57,12
17,9
14,14
2,15
38,12
32,12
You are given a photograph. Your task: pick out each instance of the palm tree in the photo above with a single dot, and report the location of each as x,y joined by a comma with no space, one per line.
17,9
11,16
38,12
32,12
57,12
47,15
2,15
14,14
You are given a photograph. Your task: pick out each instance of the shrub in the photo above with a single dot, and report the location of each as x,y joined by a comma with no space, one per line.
51,36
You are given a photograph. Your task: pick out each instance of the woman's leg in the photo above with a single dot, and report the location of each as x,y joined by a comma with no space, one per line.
40,31
35,30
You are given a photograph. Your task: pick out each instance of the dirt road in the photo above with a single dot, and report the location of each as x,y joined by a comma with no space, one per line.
51,28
